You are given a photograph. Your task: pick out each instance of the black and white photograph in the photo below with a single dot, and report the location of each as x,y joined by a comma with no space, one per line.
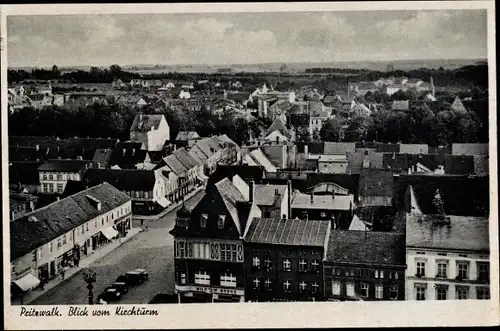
339,157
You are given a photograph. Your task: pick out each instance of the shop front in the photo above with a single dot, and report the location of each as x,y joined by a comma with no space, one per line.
192,293
123,226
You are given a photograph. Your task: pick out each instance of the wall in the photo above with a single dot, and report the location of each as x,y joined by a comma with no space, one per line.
55,178
430,257
330,167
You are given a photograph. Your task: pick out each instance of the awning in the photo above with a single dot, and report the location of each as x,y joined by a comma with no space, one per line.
163,202
27,282
109,233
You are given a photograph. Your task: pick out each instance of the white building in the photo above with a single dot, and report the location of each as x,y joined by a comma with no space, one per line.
85,221
151,130
54,174
447,257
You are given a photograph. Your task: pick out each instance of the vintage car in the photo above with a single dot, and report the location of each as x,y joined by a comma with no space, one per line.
110,294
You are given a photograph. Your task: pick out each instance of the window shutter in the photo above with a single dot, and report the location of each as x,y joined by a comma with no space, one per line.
240,253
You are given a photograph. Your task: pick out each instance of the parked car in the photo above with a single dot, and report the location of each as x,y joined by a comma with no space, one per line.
123,279
137,276
120,286
110,294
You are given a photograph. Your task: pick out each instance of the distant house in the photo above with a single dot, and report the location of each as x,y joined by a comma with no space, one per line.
458,106
188,136
54,174
208,151
170,85
279,131
144,187
332,164
401,105
361,88
151,130
470,149
375,187
361,110
257,158
136,82
118,83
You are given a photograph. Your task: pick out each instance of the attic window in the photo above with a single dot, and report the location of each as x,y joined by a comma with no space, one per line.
221,221
203,221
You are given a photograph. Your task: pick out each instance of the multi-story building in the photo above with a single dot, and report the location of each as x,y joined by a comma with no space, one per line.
208,246
59,235
284,258
54,174
151,130
146,188
365,265
447,256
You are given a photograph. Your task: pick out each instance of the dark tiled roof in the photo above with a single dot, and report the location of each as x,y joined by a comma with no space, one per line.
387,148
338,148
462,233
73,187
27,234
122,179
187,160
32,141
65,165
366,247
173,163
187,135
128,157
231,196
102,156
265,195
246,172
279,125
274,153
375,182
291,232
476,193
470,149
24,172
28,153
145,123
459,164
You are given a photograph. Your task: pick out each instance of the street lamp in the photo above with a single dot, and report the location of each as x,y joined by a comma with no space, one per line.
89,276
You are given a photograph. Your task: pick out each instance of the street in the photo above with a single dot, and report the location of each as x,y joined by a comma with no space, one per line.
151,250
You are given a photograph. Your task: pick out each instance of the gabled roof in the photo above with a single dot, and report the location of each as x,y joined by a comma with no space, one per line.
231,196
64,165
291,232
128,157
50,222
279,125
366,247
122,179
414,148
458,106
177,167
462,232
144,123
357,224
260,159
102,156
187,135
187,160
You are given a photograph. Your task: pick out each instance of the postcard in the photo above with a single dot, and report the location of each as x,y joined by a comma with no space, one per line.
249,165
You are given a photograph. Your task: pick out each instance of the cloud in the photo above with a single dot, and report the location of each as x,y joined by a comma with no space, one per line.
244,37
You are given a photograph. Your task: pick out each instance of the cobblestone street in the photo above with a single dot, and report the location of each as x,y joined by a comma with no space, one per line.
151,250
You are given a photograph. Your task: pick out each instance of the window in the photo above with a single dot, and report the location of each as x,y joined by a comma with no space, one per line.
146,195
102,221
483,271
203,221
182,249
393,293
346,272
287,265
315,287
441,292
420,269
228,252
376,273
267,264
221,220
462,270
335,287
381,273
51,188
59,242
64,239
82,229
302,286
45,187
302,266
256,262
350,289
337,271
462,292
361,272
396,275
315,266
268,284
60,188
420,291
59,177
287,286
44,176
137,194
442,269
51,247
228,280
95,223
183,278
365,290
379,292
202,278
87,226
483,293
256,283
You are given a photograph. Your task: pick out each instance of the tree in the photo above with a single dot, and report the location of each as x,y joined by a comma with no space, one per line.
357,129
330,131
115,70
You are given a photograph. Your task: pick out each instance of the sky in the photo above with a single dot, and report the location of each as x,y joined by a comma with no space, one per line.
234,38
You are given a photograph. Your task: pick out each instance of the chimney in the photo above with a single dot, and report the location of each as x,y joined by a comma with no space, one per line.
289,186
334,223
140,116
124,150
306,150
37,147
251,188
312,197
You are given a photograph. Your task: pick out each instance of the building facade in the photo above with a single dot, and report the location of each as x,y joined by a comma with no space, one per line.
54,174
151,130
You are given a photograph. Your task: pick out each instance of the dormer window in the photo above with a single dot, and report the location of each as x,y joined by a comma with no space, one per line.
203,221
221,220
